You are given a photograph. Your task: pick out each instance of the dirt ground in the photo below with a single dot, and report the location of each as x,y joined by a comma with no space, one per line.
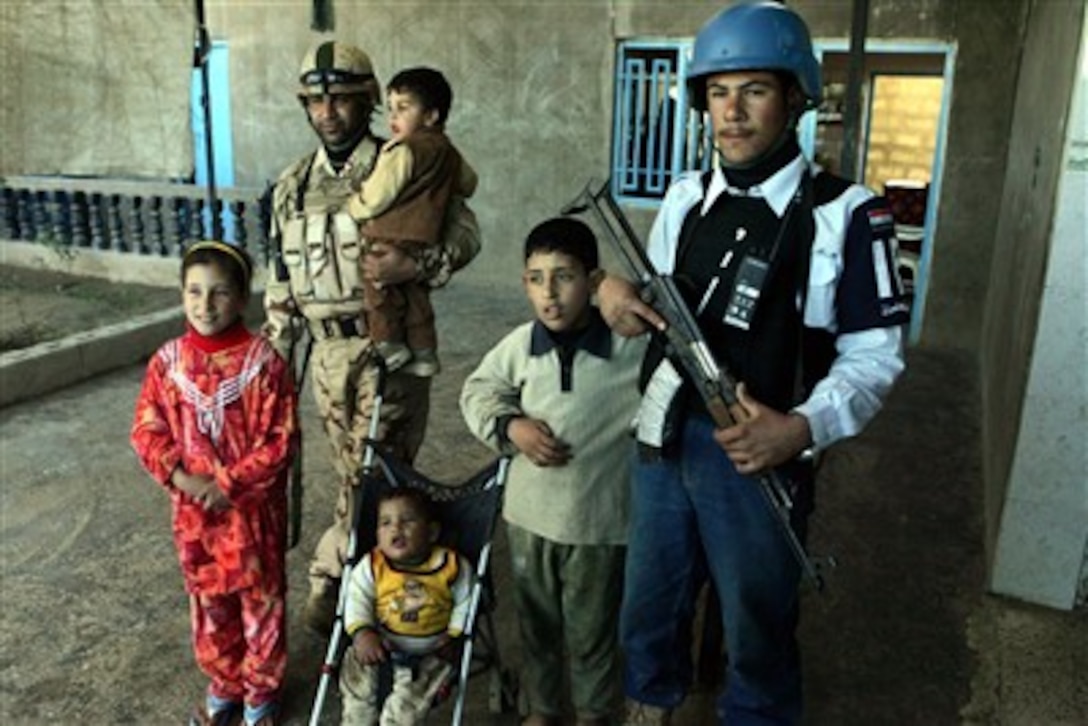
40,305
93,618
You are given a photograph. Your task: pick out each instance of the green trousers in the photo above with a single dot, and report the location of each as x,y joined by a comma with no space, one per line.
567,599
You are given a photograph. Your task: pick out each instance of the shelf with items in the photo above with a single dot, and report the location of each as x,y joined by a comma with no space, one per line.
907,199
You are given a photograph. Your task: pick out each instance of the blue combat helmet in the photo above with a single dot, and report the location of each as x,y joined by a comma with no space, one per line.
749,36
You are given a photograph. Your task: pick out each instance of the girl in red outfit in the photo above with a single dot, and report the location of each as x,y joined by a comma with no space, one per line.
215,426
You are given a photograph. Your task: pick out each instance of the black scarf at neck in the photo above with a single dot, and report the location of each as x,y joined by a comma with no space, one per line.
339,157
764,169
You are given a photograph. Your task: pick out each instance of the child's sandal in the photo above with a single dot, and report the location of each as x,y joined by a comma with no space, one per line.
228,716
263,715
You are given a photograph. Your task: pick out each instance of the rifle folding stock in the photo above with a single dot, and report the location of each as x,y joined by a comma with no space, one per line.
688,347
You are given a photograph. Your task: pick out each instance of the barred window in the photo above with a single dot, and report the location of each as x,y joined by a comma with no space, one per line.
655,135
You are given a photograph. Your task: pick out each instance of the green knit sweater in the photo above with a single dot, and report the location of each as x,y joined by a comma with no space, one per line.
586,501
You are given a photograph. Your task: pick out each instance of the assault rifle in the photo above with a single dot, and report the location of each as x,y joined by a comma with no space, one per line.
688,347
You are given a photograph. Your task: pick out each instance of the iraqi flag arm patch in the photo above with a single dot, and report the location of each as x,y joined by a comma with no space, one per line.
881,220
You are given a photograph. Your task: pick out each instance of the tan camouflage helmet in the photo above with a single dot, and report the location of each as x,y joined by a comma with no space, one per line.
336,67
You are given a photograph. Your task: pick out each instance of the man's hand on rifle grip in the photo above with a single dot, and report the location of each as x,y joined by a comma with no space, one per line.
623,309
762,437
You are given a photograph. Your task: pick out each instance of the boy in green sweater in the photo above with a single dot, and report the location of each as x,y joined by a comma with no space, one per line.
561,392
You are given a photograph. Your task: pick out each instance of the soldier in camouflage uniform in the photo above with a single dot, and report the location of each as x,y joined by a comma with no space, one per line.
315,283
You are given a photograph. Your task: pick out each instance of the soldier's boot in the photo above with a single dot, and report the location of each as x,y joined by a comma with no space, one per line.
320,611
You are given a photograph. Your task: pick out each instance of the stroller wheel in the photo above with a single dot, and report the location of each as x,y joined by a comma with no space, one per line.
503,691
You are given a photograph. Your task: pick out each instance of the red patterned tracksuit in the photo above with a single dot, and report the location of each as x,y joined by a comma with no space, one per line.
225,407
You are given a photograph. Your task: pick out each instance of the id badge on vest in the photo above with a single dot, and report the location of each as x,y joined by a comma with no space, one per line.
747,288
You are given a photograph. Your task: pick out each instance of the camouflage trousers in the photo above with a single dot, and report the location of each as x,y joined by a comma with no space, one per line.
406,705
345,383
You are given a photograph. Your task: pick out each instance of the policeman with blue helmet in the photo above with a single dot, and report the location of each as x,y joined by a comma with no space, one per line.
790,273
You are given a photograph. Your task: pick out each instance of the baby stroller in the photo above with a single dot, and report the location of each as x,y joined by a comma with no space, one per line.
468,513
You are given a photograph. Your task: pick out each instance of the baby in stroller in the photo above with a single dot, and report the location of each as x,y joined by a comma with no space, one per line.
431,541
407,602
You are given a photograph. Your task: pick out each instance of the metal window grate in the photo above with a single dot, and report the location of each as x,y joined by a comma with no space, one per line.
655,135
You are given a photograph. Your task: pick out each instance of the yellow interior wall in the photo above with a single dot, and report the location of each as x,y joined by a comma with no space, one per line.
903,128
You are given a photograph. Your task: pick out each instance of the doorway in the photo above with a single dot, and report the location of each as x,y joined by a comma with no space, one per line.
222,146
905,100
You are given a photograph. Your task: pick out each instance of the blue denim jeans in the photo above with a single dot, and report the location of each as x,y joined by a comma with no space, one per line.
694,515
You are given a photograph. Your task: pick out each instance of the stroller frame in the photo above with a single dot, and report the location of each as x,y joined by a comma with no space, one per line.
483,489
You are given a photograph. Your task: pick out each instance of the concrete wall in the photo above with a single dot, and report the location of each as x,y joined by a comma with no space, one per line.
96,88
1035,342
989,39
532,108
